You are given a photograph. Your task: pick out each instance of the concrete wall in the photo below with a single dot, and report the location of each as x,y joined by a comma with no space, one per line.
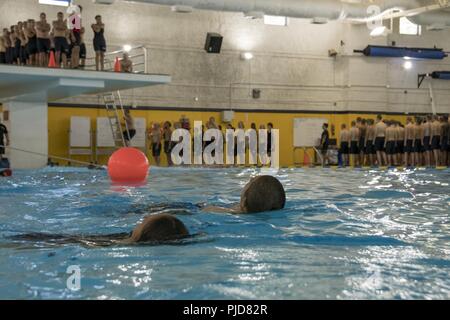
291,64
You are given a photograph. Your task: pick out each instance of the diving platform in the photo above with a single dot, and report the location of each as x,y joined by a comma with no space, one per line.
26,91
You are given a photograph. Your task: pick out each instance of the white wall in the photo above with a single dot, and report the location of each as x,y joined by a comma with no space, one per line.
291,64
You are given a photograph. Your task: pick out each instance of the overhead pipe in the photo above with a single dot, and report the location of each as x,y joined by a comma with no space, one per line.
403,52
309,9
441,75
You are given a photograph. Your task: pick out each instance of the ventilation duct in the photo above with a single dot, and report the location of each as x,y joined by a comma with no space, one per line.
310,9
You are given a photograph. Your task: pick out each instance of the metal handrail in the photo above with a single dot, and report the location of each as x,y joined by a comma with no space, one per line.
110,59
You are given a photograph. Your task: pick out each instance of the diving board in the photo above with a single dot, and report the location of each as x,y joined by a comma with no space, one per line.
31,83
26,91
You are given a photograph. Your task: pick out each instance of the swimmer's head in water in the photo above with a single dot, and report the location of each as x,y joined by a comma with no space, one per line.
161,227
263,193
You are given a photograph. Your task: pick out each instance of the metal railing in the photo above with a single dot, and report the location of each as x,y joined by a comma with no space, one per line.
137,54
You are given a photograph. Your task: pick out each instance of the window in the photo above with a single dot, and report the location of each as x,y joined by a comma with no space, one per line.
276,20
409,28
63,3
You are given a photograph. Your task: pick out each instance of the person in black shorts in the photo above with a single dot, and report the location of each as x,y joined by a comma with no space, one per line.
31,48
445,128
155,137
2,50
168,144
344,149
390,142
43,40
82,50
61,45
131,132
418,149
3,135
269,139
354,143
99,43
324,144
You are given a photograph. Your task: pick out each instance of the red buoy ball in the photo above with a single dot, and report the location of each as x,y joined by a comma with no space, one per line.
128,166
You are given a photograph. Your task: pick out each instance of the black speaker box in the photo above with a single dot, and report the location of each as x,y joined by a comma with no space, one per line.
213,42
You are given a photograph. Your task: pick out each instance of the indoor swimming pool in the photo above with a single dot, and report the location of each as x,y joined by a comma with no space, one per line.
344,234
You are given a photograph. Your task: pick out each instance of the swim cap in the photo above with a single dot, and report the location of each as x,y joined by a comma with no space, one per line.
263,193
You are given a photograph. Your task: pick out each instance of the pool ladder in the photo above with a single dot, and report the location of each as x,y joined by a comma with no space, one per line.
113,105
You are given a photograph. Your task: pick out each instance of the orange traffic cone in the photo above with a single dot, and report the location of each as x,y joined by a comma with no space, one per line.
52,62
117,66
306,158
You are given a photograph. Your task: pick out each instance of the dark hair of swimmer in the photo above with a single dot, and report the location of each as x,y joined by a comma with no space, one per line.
154,229
263,193
159,227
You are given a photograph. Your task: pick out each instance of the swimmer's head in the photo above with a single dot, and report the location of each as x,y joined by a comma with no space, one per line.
161,227
263,193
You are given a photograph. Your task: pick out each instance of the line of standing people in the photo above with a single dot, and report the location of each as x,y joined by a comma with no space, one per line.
423,141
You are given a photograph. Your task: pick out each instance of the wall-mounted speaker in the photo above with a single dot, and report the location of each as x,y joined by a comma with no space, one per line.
213,42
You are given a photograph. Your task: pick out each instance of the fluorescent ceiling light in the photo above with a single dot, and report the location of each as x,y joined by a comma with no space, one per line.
407,65
127,48
246,56
62,3
275,20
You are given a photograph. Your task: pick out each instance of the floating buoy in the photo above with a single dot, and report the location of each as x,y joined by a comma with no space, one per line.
128,166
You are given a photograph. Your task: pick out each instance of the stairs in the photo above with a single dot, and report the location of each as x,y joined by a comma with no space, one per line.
114,112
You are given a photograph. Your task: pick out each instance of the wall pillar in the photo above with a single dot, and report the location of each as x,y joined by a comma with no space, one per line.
28,130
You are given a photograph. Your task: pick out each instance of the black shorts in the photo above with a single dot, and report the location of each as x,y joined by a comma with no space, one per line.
361,144
23,55
32,46
82,51
8,56
409,146
77,36
168,146
426,144
99,44
2,57
324,149
156,149
435,143
354,147
43,45
344,148
390,147
418,145
400,146
2,149
17,50
370,148
61,45
129,137
379,143
444,144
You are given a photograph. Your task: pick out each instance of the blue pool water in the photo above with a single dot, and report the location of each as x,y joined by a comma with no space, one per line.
343,235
